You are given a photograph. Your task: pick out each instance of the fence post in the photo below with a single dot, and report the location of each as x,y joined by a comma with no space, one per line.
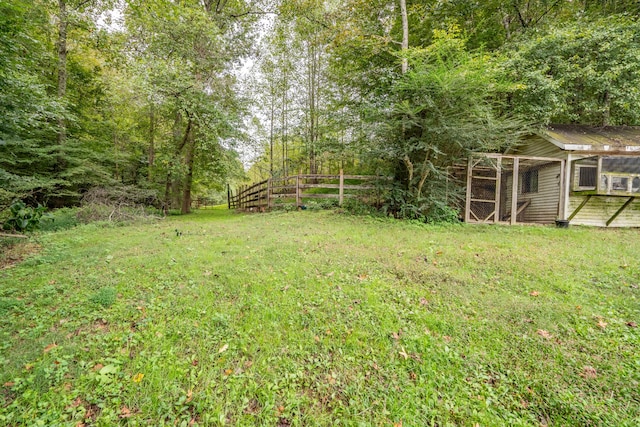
341,187
269,191
228,197
298,191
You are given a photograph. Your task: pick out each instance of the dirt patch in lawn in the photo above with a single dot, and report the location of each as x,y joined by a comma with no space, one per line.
13,254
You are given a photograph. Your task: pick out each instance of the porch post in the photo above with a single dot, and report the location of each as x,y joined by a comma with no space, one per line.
496,214
467,208
514,190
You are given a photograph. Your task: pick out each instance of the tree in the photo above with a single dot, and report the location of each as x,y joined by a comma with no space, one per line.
586,72
444,107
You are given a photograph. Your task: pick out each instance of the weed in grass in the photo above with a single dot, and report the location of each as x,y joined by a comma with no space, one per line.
105,297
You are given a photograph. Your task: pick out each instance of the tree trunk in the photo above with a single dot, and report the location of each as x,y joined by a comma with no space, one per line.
273,95
405,34
284,125
62,65
188,181
606,114
152,147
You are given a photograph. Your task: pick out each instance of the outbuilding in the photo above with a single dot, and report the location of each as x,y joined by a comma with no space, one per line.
583,175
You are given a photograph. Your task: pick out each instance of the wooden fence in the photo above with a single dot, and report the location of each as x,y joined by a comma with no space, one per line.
263,194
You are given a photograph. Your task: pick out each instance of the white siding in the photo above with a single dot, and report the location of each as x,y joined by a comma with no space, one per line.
539,147
544,204
599,209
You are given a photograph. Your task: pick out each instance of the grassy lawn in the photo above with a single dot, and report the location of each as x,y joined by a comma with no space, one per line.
317,318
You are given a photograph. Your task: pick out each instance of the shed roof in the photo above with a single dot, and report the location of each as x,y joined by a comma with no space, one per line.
592,138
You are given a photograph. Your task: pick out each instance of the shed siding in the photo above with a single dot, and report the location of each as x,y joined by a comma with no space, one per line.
544,204
599,209
539,147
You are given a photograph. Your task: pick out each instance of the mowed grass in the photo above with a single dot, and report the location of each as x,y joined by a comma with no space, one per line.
318,318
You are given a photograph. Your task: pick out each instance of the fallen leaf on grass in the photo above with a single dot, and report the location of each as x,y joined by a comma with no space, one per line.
589,372
398,424
9,384
423,301
534,293
138,377
189,395
76,402
223,348
362,276
403,353
632,324
447,338
125,412
98,366
228,372
317,338
50,347
602,324
543,333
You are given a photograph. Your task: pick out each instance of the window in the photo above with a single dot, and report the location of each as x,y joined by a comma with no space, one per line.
587,176
530,182
619,183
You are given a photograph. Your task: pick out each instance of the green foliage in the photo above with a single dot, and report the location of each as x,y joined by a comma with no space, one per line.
444,108
23,217
60,219
105,297
585,72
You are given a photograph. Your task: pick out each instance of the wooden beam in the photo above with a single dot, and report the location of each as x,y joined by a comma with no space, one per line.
579,208
496,217
598,175
619,211
514,190
467,208
341,188
19,236
562,194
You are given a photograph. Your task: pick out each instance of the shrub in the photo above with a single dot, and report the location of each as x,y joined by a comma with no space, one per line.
23,217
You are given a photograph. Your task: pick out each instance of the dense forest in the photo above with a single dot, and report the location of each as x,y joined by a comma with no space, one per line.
163,100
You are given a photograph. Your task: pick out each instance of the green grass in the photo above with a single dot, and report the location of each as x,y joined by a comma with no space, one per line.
315,318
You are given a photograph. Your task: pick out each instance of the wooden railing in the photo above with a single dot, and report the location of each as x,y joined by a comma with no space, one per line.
262,195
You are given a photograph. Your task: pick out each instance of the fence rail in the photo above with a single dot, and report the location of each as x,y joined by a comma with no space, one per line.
262,195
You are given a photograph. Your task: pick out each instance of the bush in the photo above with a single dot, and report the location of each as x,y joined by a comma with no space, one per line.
23,217
61,219
358,207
